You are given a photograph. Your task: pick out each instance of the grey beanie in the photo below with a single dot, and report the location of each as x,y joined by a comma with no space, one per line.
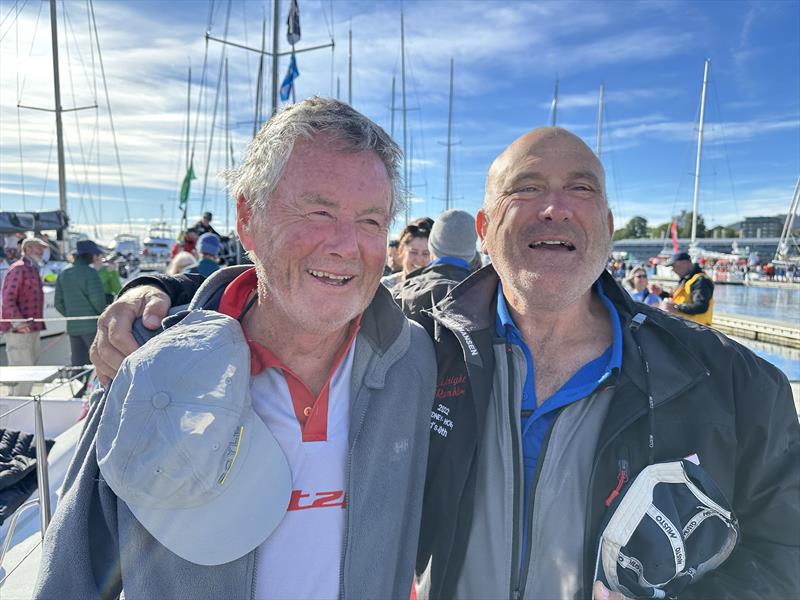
453,234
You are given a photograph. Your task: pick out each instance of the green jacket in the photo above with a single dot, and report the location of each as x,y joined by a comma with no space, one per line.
112,284
79,292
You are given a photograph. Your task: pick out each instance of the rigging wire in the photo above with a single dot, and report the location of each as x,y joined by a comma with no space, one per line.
725,146
16,19
30,52
67,25
111,118
47,169
19,114
617,205
96,133
216,104
421,132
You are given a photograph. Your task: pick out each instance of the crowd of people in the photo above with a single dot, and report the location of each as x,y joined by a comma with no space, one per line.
82,289
357,417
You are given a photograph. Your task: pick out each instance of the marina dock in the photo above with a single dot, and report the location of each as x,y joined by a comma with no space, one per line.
781,333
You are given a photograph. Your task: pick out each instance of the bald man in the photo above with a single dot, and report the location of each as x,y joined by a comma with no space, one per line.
549,414
541,411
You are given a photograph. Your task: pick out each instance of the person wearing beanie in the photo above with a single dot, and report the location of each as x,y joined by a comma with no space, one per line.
208,245
452,247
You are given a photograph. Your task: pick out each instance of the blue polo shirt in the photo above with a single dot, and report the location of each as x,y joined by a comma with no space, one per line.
536,420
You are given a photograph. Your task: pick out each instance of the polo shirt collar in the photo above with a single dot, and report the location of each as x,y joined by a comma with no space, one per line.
507,328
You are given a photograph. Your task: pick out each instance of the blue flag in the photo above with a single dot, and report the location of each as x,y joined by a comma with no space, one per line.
288,81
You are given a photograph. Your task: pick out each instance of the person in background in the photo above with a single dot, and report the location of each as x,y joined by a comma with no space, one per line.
392,257
452,246
208,244
181,262
204,225
638,288
80,293
414,253
694,296
109,275
23,301
186,243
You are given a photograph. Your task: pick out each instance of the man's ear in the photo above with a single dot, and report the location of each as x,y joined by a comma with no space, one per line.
244,218
610,223
481,226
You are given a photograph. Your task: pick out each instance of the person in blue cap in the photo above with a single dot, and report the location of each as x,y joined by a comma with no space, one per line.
80,293
209,245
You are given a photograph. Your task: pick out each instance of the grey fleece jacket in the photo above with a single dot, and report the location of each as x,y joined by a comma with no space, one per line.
95,547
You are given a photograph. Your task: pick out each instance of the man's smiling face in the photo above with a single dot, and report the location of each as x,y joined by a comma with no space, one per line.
320,243
546,223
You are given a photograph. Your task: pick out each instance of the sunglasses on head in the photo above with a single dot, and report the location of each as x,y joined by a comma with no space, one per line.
418,229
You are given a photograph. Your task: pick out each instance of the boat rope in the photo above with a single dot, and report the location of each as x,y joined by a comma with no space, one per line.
16,8
111,118
51,319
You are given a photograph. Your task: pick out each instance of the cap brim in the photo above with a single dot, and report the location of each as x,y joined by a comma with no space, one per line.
240,518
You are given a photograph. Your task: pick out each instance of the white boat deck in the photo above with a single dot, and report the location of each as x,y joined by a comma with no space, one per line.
21,563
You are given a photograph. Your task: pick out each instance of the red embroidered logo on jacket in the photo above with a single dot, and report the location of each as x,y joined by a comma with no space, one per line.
301,500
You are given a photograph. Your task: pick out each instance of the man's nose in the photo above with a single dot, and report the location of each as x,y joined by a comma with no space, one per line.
556,207
344,240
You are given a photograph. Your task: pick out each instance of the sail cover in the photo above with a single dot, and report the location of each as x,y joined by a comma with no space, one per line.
20,222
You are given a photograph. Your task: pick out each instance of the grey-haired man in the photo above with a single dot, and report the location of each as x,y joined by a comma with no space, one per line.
271,443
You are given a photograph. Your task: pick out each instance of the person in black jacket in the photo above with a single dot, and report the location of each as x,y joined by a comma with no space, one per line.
452,248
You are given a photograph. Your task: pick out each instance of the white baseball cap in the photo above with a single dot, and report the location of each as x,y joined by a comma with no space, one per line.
180,443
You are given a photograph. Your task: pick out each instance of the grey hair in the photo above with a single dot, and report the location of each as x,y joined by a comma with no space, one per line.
255,179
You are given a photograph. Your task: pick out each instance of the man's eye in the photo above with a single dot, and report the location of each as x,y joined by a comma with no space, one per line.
320,215
529,189
371,225
582,187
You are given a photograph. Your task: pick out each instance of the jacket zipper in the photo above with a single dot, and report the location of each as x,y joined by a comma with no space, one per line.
588,548
514,422
347,499
523,576
255,572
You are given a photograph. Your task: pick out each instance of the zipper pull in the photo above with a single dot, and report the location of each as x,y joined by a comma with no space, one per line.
515,595
622,478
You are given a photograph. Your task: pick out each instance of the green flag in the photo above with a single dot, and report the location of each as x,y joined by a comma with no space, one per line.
187,183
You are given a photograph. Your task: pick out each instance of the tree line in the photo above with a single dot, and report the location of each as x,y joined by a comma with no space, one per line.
638,227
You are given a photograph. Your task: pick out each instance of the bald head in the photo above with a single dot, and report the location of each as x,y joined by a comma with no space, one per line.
524,156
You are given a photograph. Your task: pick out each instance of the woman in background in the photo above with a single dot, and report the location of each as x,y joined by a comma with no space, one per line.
637,282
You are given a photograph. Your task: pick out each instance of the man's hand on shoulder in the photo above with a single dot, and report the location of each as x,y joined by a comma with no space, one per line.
114,340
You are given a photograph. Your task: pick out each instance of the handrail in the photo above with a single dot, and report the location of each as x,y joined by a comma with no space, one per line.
42,473
12,525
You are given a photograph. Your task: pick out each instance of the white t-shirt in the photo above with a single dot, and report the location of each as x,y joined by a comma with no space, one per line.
301,558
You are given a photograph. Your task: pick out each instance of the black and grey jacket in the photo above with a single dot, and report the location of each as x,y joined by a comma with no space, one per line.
425,287
713,398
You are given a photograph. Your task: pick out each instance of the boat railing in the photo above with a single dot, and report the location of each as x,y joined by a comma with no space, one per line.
42,475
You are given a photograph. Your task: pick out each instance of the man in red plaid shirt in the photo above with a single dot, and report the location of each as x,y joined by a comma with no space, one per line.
23,300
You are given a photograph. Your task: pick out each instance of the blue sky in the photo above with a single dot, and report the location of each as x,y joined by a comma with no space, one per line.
507,58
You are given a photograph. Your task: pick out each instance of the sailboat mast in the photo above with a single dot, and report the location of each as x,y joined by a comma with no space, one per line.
449,141
227,143
554,106
276,17
391,130
699,153
350,67
260,77
403,86
600,119
188,112
62,177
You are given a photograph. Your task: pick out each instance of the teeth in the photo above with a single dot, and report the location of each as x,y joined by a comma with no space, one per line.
326,275
553,243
